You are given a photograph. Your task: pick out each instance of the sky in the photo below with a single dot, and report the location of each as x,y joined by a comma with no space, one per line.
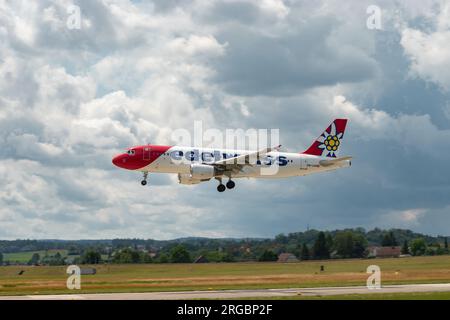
131,72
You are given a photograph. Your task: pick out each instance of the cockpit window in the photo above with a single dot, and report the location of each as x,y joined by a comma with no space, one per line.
131,152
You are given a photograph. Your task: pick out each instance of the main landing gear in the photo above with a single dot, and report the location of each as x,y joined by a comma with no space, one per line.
221,187
230,184
144,181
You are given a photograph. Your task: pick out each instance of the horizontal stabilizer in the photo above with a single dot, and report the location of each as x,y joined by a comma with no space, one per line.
326,163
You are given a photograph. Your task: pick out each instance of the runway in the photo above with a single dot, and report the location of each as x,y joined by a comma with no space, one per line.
236,294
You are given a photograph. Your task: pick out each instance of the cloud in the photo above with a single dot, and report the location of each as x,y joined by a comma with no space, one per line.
429,51
287,61
196,45
414,218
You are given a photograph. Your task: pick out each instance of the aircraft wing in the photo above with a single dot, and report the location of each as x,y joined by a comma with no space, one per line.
326,163
235,164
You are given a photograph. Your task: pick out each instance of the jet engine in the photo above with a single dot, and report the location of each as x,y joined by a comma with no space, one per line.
199,173
202,171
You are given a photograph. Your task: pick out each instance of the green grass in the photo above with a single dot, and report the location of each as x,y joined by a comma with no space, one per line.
216,276
372,296
24,257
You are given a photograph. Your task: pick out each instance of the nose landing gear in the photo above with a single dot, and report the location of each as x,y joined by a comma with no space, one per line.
144,181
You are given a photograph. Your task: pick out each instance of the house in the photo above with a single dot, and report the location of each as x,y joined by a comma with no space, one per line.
287,257
384,252
140,247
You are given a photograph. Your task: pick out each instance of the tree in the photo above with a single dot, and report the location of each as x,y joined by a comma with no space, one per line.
281,238
1,258
72,251
440,251
405,249
445,244
163,258
127,255
55,260
349,244
145,257
91,257
359,246
418,247
268,255
389,240
304,253
227,257
343,242
329,241
430,251
179,254
320,248
34,259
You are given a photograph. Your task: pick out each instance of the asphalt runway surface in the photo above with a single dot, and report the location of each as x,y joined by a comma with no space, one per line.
236,294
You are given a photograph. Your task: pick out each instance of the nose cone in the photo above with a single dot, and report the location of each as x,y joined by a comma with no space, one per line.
119,161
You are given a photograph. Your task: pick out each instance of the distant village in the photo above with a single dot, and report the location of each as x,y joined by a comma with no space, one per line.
284,248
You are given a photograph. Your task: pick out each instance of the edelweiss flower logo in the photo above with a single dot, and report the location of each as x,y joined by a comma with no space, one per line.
330,141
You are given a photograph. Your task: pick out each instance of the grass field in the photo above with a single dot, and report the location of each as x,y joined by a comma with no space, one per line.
178,277
24,257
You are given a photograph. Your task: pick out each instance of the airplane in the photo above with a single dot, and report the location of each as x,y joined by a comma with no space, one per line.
196,165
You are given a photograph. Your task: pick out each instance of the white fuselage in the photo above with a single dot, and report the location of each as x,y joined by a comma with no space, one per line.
271,165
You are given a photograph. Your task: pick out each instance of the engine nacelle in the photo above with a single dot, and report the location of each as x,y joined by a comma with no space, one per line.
185,178
202,171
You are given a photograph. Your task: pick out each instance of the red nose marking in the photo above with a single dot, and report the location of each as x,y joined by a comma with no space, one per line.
130,162
119,160
141,157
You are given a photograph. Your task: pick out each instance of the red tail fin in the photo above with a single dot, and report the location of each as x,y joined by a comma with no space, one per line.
329,142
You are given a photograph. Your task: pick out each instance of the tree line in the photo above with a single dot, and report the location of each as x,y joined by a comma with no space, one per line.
311,244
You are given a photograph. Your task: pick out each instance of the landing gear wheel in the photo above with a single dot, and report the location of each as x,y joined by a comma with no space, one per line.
144,182
221,188
230,184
